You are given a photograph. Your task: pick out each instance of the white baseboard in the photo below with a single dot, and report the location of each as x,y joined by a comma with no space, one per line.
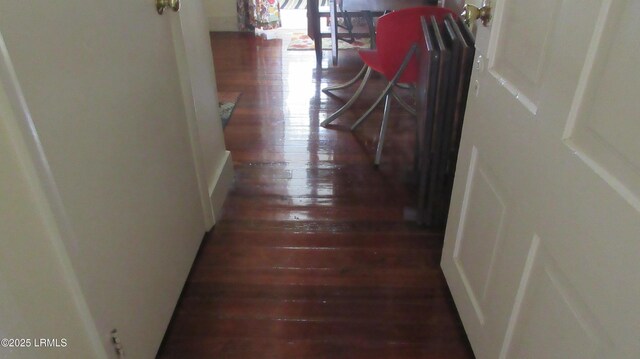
223,23
222,185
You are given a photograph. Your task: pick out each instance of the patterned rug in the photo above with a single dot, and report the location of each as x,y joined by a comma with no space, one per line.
301,42
227,102
299,4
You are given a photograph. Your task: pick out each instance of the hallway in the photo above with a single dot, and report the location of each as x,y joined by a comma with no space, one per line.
312,258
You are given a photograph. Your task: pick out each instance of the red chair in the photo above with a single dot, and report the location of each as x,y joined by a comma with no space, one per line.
397,37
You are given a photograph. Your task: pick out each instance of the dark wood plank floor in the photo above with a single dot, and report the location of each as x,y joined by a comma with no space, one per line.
312,258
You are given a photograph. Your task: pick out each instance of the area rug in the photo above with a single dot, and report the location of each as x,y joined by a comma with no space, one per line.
227,101
301,42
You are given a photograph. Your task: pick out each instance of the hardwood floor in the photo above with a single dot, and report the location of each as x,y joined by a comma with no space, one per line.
312,258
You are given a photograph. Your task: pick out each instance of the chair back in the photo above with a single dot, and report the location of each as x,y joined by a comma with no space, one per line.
397,31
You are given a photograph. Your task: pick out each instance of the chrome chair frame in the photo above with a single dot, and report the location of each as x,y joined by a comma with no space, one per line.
386,95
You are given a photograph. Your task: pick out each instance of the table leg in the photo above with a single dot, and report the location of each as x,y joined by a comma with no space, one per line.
334,31
313,23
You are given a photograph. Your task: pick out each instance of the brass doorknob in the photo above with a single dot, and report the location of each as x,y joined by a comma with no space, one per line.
471,13
172,4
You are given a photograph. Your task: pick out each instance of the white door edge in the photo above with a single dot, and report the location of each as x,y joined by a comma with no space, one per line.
190,110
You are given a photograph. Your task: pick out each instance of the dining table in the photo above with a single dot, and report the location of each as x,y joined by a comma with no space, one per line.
335,10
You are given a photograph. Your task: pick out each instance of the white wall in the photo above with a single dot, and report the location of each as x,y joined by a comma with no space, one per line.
221,15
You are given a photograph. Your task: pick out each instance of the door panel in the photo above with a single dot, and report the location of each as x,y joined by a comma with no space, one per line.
548,141
480,236
102,85
609,144
548,297
517,59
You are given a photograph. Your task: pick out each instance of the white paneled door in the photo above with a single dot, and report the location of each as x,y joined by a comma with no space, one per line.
542,248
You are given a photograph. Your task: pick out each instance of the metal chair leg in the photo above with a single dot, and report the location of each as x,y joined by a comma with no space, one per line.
373,107
389,87
351,101
383,129
328,89
404,105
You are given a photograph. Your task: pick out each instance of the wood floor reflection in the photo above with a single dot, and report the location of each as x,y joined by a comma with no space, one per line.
312,258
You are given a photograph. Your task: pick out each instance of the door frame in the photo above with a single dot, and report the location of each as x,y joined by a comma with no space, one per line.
193,57
190,111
